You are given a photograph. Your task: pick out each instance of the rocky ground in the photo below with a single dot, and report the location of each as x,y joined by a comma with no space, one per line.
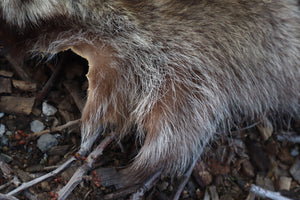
34,141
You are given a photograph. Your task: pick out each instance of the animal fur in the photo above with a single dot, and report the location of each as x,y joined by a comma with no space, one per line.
179,70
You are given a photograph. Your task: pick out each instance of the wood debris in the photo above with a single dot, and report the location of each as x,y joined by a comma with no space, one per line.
24,85
21,105
5,84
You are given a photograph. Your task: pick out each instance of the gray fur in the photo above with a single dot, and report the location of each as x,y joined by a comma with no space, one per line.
199,66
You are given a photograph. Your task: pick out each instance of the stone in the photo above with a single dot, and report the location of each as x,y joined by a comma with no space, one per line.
37,126
2,129
48,109
46,142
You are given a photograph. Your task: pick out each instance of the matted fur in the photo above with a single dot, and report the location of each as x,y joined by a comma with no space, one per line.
179,70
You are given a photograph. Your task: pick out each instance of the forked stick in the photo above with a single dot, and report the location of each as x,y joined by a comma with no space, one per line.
77,176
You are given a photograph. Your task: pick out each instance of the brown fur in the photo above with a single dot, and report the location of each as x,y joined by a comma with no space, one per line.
178,70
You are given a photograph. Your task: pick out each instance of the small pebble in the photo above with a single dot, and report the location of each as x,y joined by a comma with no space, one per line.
163,186
294,152
48,109
30,150
17,137
5,148
170,188
58,136
45,186
36,126
8,133
44,160
2,129
46,141
4,141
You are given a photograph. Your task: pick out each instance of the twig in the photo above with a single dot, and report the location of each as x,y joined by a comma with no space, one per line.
84,148
267,193
50,81
7,197
5,185
77,177
184,180
121,192
8,173
16,61
290,138
33,182
54,129
146,186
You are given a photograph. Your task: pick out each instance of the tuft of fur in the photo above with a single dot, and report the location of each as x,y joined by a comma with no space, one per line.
178,70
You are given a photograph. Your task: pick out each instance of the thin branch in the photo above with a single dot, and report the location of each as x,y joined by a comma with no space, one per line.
7,197
121,192
8,173
84,148
290,138
33,182
5,185
146,186
184,180
55,129
267,193
77,177
51,80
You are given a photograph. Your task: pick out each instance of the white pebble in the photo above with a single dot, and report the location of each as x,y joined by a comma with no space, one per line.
48,109
36,126
2,129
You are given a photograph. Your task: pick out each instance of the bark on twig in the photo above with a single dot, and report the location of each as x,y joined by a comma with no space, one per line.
267,193
16,61
122,192
51,80
77,177
290,138
146,186
7,197
184,180
33,182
